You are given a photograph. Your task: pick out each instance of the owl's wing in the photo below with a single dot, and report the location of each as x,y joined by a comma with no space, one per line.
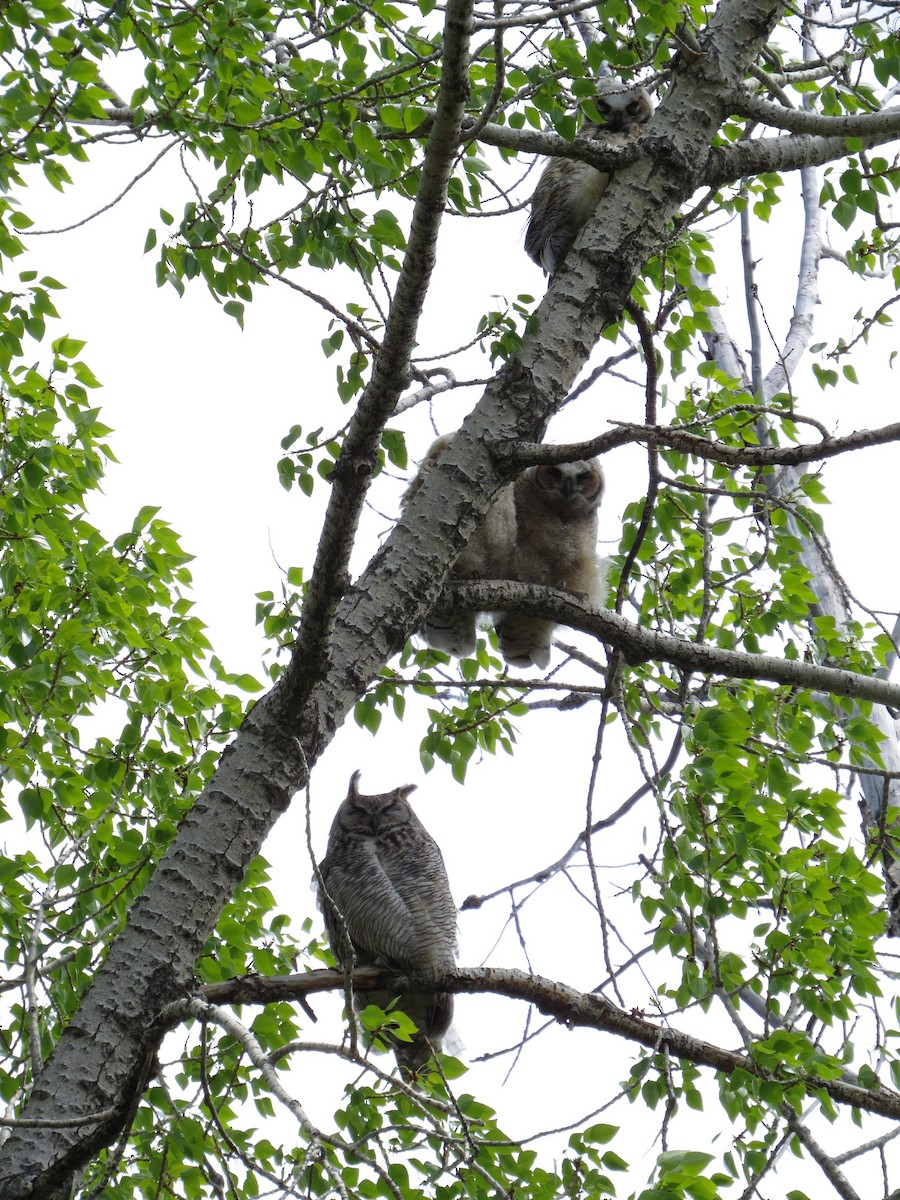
423,896
398,910
566,195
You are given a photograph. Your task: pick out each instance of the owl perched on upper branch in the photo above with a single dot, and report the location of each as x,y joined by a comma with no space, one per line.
556,545
568,191
541,528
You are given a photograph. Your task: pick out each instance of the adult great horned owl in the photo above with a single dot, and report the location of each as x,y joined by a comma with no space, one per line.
486,556
541,528
568,191
384,874
556,544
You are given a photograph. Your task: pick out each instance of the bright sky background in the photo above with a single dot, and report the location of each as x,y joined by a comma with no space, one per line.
198,410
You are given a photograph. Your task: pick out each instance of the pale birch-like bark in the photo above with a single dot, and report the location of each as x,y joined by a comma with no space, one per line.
877,789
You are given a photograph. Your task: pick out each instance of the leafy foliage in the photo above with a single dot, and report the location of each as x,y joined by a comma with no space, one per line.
303,132
108,725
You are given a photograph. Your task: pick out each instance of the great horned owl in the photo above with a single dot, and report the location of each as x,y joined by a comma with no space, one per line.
486,556
542,528
568,191
384,874
556,544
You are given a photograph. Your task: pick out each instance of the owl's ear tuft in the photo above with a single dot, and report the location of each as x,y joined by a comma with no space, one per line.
407,788
353,792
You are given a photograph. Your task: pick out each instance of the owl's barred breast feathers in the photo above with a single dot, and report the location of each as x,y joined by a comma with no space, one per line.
385,876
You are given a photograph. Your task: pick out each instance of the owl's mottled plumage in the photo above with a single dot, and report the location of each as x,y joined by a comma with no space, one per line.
486,556
542,528
568,191
385,875
556,545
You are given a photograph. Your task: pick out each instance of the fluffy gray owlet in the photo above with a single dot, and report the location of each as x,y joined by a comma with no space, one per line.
488,555
556,544
568,191
385,875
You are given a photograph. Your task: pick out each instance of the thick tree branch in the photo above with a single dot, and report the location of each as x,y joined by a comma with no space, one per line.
816,140
884,125
548,144
727,164
672,438
568,1006
643,645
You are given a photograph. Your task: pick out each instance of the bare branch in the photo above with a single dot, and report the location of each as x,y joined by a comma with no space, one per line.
527,453
565,1004
830,1168
545,873
867,1147
643,645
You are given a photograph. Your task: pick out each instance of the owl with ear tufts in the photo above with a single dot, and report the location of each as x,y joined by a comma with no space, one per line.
383,890
568,190
541,528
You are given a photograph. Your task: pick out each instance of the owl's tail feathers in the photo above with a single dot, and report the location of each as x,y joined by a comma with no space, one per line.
524,641
547,249
436,1034
452,632
452,1043
413,1056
